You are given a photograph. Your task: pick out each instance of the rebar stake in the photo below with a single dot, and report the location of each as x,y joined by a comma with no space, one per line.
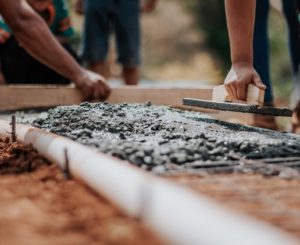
66,170
13,128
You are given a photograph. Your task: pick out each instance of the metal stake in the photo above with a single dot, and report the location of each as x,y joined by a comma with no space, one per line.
66,170
13,128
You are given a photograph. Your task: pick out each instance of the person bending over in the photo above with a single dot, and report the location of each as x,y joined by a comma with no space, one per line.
33,34
13,57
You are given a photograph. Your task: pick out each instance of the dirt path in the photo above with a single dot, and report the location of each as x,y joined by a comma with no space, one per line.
41,207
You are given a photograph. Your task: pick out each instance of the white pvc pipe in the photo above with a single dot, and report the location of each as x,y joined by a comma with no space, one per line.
179,215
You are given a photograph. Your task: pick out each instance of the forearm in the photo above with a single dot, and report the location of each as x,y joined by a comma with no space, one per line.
34,35
240,21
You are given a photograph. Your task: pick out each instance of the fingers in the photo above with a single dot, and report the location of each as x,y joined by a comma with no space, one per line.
87,93
107,91
234,89
93,86
231,89
242,91
258,83
98,93
101,91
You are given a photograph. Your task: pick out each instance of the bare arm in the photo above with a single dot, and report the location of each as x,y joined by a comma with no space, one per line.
240,21
32,32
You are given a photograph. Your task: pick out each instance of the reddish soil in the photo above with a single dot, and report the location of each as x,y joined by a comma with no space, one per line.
41,207
274,200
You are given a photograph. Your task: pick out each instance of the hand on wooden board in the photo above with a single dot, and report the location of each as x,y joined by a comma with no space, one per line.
93,86
238,79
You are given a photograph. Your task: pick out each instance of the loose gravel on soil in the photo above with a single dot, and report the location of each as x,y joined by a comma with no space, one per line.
159,138
38,206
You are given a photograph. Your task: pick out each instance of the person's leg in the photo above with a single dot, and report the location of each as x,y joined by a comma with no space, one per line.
290,12
131,75
261,61
96,35
127,24
100,67
261,46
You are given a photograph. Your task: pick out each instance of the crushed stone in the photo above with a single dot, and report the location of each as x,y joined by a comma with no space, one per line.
160,138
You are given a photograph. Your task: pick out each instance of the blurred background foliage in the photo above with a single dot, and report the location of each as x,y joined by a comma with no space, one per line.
211,20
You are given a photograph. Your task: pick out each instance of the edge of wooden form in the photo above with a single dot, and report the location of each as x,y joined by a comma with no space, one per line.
22,97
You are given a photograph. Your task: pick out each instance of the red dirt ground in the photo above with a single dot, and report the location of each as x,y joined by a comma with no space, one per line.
41,207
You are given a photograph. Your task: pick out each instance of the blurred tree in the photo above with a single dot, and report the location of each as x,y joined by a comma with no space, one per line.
210,16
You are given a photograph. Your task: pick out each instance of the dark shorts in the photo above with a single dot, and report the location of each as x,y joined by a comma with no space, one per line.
106,16
18,67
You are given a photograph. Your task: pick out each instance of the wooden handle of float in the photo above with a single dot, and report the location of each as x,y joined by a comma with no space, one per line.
255,95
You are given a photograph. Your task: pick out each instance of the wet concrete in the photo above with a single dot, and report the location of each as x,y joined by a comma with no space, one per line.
159,138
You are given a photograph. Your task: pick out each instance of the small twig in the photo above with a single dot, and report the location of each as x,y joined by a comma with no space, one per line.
13,128
66,170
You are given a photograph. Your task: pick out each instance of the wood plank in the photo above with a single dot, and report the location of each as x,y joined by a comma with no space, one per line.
22,97
158,96
15,97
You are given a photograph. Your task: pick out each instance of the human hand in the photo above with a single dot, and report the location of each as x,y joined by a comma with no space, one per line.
93,86
238,79
149,6
4,35
79,6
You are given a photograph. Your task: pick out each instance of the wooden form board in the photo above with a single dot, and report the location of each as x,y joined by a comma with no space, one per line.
22,97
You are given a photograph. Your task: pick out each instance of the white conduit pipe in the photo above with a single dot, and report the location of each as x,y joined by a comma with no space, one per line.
177,214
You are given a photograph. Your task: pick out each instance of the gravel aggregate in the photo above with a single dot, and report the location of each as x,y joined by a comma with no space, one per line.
159,138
